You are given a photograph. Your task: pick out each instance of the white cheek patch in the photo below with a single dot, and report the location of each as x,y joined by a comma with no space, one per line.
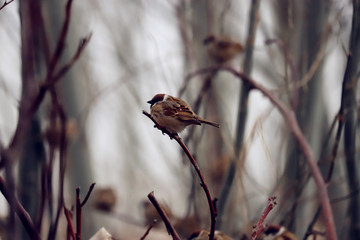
166,97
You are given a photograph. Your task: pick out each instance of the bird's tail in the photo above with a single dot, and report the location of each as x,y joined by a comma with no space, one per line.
209,122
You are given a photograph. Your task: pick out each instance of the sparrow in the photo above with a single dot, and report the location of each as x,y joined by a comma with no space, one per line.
174,114
222,48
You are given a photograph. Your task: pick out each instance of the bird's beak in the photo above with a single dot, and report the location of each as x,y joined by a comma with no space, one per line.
149,102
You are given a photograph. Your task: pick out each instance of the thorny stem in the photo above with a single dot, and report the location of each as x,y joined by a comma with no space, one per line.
198,171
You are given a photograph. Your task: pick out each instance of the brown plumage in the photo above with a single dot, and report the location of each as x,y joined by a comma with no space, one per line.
222,48
174,114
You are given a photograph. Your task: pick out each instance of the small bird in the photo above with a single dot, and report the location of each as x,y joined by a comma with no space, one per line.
174,114
222,48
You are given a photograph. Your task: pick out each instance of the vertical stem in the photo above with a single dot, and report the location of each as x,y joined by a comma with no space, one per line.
243,104
348,112
78,214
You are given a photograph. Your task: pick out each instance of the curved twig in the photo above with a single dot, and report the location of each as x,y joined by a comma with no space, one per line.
170,228
292,123
198,171
20,211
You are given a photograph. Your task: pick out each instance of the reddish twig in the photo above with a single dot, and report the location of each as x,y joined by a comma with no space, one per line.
70,223
5,4
292,123
193,162
79,205
259,227
171,230
148,229
20,211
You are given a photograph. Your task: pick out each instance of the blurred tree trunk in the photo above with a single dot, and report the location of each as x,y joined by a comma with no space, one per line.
33,156
229,208
30,167
199,28
349,113
305,41
308,42
74,98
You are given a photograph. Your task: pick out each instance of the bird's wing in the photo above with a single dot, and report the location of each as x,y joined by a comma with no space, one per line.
177,108
224,44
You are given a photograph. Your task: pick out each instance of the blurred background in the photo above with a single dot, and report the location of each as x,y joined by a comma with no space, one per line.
299,50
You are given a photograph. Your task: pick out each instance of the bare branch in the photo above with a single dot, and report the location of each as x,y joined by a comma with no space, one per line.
20,211
259,227
5,4
164,217
70,223
91,188
83,43
78,214
148,229
61,42
197,169
292,123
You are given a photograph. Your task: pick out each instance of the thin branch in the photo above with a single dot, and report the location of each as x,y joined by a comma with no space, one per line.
148,229
334,151
78,214
292,123
259,227
83,43
20,211
91,188
5,4
242,107
164,217
70,223
61,42
198,171
62,161
54,78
